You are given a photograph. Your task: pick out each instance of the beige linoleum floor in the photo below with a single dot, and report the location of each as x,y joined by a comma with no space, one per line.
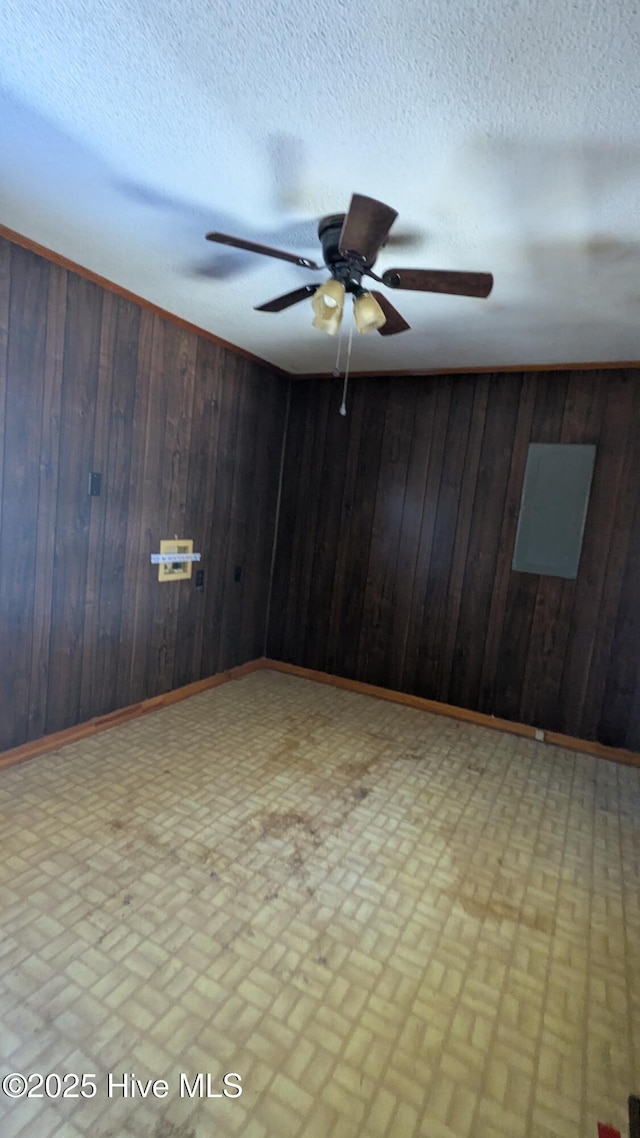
387,923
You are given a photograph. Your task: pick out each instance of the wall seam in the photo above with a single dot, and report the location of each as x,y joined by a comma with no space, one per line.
276,524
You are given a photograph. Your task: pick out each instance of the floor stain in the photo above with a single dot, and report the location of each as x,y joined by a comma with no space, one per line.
358,768
166,1129
196,854
301,835
360,792
499,909
282,825
462,890
303,832
409,756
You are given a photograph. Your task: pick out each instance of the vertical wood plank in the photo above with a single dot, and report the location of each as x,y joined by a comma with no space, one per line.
375,645
5,294
48,491
418,638
360,508
240,509
620,714
116,491
97,511
488,510
309,488
601,547
199,519
281,600
346,523
505,542
138,572
331,477
456,432
409,538
270,398
469,510
18,538
79,389
618,608
312,493
611,702
230,398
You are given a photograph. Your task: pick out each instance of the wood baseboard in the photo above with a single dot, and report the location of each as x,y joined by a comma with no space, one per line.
585,746
134,711
122,715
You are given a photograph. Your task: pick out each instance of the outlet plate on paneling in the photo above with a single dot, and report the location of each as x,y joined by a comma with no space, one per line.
175,570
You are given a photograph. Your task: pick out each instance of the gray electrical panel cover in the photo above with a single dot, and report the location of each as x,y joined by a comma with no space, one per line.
553,508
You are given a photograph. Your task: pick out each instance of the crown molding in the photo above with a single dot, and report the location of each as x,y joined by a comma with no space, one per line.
603,365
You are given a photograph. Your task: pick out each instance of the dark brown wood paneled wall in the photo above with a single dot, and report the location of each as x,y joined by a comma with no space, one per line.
396,537
187,437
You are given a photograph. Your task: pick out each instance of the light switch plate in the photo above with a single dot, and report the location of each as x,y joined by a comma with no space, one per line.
175,570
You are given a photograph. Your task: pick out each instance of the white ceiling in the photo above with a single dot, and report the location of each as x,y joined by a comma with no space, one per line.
505,132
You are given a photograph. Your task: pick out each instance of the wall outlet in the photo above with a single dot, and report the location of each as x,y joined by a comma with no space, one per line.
95,484
539,735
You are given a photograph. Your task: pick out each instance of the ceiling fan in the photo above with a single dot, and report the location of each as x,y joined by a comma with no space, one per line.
350,244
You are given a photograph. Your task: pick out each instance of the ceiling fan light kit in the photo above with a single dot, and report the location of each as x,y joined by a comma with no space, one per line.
350,245
367,313
328,306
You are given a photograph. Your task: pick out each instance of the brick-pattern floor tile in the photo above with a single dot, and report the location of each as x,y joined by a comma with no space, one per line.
389,924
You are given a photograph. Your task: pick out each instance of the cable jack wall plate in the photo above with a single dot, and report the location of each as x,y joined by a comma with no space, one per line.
175,570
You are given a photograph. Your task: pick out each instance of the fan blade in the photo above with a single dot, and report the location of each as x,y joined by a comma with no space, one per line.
395,322
439,280
266,250
365,228
287,299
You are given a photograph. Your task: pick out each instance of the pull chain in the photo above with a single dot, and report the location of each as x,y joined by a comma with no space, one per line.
336,370
343,405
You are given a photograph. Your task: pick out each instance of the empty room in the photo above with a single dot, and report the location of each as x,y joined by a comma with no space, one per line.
319,570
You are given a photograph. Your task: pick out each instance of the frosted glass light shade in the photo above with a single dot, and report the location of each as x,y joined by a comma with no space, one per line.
368,313
328,303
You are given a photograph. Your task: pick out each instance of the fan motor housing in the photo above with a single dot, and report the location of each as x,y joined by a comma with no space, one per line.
345,269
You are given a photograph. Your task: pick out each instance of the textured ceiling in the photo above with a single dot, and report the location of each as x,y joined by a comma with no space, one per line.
505,132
